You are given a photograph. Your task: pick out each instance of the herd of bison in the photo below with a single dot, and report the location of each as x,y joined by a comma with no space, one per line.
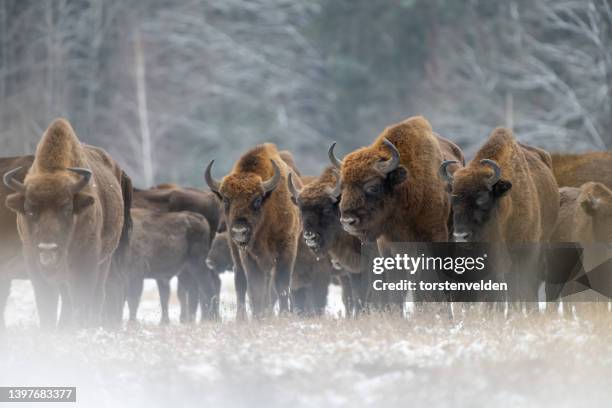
72,223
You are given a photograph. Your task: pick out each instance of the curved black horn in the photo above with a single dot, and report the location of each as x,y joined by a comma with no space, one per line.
443,171
332,157
270,184
335,192
10,182
497,171
213,184
295,191
391,164
85,176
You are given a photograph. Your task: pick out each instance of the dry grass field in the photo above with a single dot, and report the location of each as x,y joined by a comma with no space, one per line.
476,360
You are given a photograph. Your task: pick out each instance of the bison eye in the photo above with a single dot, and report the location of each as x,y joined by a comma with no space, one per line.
257,203
373,189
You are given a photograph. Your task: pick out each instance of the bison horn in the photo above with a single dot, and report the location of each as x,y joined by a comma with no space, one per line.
85,176
10,182
332,157
443,171
388,166
270,185
335,192
497,171
295,191
213,184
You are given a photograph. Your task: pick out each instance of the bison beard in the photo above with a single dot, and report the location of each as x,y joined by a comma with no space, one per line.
263,226
70,216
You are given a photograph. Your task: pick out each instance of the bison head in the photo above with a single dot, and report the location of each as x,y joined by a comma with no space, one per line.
593,217
318,204
46,207
244,196
219,257
475,194
368,183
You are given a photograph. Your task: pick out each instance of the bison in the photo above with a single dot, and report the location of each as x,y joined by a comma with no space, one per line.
390,191
219,257
263,226
70,216
506,194
323,233
163,245
192,288
573,170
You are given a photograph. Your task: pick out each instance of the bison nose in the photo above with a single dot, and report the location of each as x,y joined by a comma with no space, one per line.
349,221
240,233
462,236
309,235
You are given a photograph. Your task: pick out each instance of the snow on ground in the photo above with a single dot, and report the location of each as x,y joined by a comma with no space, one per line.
476,360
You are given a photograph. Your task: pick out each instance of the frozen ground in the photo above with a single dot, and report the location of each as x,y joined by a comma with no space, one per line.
478,360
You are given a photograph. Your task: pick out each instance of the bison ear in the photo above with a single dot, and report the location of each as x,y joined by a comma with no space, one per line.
501,188
82,201
16,202
397,176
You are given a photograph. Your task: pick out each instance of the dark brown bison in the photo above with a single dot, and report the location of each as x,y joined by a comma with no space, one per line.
173,198
263,226
11,259
163,245
390,191
323,233
506,194
220,257
70,217
573,170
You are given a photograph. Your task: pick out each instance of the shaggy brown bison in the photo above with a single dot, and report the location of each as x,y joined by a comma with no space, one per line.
506,194
163,245
263,226
323,233
11,259
70,216
573,170
390,191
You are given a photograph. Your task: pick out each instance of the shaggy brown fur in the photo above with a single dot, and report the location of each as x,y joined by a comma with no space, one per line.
411,203
267,251
519,207
11,260
527,214
164,245
69,237
573,170
585,214
323,233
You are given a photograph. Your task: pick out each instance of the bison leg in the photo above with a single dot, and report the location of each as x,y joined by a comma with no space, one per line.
163,287
66,316
46,303
240,284
257,286
357,287
5,290
134,293
115,294
209,302
347,295
298,300
188,295
282,275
